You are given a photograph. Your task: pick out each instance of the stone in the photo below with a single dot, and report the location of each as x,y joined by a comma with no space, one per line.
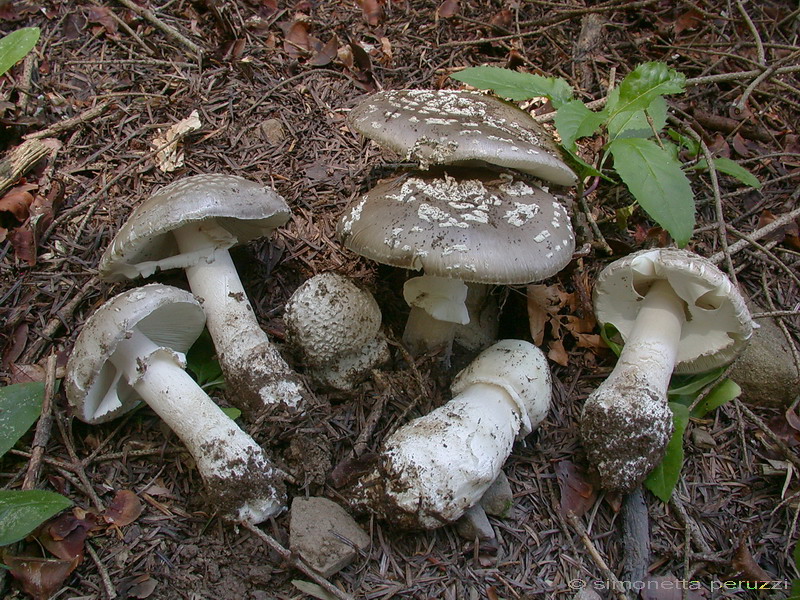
474,524
766,370
316,529
498,499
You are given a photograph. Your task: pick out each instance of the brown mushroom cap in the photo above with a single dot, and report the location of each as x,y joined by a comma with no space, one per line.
452,127
718,323
246,210
463,224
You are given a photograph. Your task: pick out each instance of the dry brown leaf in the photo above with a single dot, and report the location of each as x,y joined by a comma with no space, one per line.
18,200
502,20
688,20
447,9
64,536
544,301
373,11
326,54
746,567
124,509
22,239
102,16
40,577
296,40
171,157
558,354
27,373
577,493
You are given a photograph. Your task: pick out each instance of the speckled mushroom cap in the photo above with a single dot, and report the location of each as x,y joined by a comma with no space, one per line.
245,209
718,323
329,316
457,127
170,317
463,224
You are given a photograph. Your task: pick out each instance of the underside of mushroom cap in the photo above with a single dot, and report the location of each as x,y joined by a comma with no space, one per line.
471,225
718,324
453,127
170,317
245,210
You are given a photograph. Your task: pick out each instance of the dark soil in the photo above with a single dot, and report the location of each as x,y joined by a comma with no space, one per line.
273,96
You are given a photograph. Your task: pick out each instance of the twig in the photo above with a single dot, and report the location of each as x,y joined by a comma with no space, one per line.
689,523
781,221
19,161
598,235
25,81
77,467
762,58
43,427
759,422
108,587
71,123
148,50
608,574
167,29
635,537
766,252
296,562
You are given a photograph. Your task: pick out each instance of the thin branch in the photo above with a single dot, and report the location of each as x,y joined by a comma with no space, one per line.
43,427
167,29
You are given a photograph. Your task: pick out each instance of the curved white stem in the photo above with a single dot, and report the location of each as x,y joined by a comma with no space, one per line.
437,306
254,369
239,478
626,423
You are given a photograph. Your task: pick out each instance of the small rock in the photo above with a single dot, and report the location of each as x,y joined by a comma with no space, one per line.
316,529
766,371
702,439
272,131
498,500
587,594
475,524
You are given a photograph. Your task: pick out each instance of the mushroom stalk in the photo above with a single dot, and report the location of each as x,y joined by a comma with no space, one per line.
438,304
238,476
255,370
424,333
630,407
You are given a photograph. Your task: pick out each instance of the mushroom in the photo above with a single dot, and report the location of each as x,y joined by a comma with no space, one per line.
132,349
434,468
191,224
458,226
336,324
676,312
456,127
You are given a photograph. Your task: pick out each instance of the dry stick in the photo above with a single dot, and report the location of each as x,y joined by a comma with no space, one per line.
616,586
296,562
43,427
149,51
108,587
167,29
77,467
19,161
25,82
689,524
781,221
769,254
635,537
71,123
762,57
374,415
787,452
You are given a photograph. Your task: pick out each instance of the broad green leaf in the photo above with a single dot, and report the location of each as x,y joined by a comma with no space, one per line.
633,123
794,592
23,511
644,83
665,476
233,413
725,391
582,168
734,169
691,385
201,360
16,45
515,85
657,183
608,332
692,146
574,120
20,406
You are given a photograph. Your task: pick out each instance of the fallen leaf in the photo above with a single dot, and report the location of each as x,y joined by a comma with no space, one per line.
447,9
40,577
296,40
543,302
577,493
326,54
372,10
502,20
746,567
26,373
170,157
64,536
124,509
15,348
17,201
22,239
102,16
688,20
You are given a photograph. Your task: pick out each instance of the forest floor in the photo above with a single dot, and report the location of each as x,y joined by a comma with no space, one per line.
271,84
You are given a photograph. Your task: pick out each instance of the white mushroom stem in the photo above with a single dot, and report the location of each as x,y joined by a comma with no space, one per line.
629,409
237,474
254,369
438,304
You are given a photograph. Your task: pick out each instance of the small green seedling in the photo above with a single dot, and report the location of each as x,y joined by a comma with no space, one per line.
16,45
634,115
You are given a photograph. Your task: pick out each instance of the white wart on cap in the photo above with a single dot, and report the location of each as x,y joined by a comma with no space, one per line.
675,311
458,226
454,127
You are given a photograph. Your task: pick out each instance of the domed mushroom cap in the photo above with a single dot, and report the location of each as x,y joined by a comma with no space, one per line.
244,209
468,225
170,317
718,323
458,126
329,316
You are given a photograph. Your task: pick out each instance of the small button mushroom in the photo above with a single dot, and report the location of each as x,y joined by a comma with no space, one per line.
336,325
436,467
676,312
191,224
458,226
458,127
132,350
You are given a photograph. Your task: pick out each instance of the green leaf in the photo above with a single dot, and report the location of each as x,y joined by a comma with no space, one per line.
691,145
665,476
23,511
734,169
725,391
515,85
312,589
644,83
202,361
582,168
657,183
233,413
16,45
574,120
633,123
608,332
20,406
692,385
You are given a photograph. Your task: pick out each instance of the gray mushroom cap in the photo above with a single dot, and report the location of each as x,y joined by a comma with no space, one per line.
170,317
458,127
244,209
718,324
468,225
